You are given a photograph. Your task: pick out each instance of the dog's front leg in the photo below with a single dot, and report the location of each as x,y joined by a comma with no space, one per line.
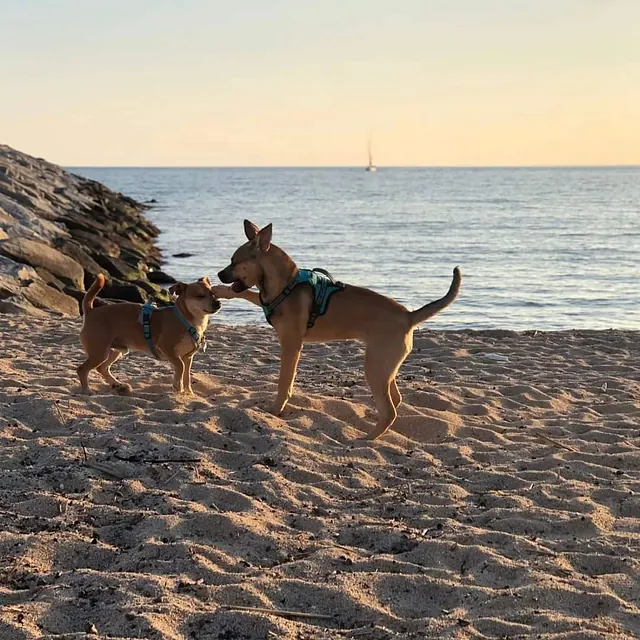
186,377
290,349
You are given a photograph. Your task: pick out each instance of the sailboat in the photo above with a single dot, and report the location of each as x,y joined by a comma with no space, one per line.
370,166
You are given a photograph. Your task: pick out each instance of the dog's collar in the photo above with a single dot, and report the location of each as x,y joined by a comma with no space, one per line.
145,318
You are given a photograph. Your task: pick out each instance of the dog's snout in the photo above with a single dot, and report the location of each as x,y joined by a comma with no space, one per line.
225,276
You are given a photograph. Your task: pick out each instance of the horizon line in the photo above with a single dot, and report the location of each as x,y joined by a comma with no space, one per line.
361,167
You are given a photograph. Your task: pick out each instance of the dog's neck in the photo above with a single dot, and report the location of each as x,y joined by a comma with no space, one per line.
278,270
198,321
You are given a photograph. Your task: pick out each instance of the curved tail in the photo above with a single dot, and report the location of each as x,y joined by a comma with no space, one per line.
429,310
90,296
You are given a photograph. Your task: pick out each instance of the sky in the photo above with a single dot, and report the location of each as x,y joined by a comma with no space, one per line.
309,82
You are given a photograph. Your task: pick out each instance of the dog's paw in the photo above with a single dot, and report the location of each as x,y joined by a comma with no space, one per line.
122,388
220,291
276,409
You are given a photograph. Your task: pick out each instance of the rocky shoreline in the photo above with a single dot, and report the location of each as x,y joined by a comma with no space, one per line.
59,230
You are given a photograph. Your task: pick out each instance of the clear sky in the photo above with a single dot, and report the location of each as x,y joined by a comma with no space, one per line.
306,82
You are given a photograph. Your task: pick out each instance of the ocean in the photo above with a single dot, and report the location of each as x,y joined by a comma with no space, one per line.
539,248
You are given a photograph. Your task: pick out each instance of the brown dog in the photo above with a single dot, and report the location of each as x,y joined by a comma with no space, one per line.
385,326
109,331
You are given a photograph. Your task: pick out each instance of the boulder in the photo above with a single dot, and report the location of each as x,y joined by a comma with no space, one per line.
160,277
9,287
118,268
13,269
19,306
44,297
3,235
96,245
126,292
75,251
37,254
50,279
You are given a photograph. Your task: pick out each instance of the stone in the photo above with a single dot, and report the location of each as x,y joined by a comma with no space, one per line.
19,306
44,297
50,279
79,295
37,254
75,251
126,292
118,268
3,235
160,277
13,269
9,287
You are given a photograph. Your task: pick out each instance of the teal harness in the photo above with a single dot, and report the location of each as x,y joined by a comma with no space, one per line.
148,309
323,285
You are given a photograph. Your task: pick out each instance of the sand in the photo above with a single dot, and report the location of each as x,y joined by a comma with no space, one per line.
505,504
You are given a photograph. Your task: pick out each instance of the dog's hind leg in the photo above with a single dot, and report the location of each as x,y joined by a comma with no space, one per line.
105,371
396,397
290,350
93,361
178,372
381,365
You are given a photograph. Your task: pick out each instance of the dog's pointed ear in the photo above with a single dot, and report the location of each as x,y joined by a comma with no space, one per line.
177,289
250,230
264,237
205,281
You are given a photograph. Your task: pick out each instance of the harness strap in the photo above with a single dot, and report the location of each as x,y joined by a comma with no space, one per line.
148,309
195,336
323,288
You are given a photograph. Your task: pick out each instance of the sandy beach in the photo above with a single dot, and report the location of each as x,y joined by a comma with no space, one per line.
505,503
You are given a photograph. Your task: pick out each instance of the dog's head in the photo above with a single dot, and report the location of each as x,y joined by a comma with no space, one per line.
245,270
197,296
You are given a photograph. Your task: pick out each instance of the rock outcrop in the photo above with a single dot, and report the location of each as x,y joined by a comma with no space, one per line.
58,231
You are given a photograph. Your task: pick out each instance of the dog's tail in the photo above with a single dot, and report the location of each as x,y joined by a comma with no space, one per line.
90,296
429,310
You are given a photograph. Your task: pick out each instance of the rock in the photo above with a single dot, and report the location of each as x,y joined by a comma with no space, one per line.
156,293
44,297
118,268
37,254
18,306
160,277
9,287
50,279
79,295
75,251
70,229
183,254
13,269
126,292
96,245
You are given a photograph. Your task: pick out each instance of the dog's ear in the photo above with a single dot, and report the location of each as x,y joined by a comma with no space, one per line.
205,281
250,230
177,289
264,237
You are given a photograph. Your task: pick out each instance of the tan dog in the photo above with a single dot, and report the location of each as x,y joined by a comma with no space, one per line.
109,331
385,326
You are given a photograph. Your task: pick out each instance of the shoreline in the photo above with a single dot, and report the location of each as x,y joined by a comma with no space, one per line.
505,502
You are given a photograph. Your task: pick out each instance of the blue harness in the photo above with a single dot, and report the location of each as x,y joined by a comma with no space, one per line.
148,309
323,285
